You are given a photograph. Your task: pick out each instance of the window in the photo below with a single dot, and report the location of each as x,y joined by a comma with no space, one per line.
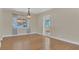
47,25
20,25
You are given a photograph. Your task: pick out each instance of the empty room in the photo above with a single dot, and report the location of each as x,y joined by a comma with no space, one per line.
39,29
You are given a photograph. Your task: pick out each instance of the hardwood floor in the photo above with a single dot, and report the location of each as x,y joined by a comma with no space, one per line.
23,42
34,42
62,45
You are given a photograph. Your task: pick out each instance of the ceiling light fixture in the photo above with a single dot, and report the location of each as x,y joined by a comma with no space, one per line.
28,14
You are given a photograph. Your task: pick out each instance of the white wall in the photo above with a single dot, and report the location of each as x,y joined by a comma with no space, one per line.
1,21
66,23
6,22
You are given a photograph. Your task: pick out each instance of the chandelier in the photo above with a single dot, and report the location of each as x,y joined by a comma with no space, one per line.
28,14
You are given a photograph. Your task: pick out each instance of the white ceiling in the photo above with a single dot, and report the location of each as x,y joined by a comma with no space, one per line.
33,10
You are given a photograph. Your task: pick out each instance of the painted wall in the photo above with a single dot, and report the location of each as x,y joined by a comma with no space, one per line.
6,22
1,22
66,23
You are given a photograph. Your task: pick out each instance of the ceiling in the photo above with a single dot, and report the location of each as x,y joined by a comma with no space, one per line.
33,10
